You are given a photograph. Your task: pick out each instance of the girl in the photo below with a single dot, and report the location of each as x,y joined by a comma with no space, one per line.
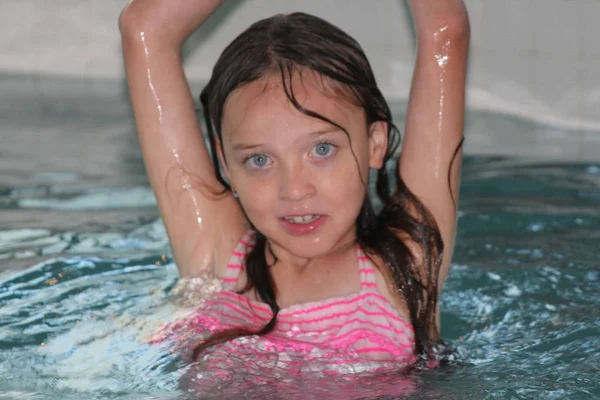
296,122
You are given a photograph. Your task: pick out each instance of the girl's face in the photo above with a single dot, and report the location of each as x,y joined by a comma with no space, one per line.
300,180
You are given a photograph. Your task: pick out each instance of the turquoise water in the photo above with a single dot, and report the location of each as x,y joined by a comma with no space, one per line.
86,275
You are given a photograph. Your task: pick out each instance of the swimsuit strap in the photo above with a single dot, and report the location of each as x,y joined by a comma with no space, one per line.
235,265
366,270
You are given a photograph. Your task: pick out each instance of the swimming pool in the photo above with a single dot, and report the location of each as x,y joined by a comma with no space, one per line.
85,273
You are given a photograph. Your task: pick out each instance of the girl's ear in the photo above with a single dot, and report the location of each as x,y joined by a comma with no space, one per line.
222,158
378,135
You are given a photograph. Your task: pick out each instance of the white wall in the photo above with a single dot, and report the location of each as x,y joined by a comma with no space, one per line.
536,58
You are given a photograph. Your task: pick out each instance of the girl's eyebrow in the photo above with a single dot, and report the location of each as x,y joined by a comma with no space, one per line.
244,146
247,146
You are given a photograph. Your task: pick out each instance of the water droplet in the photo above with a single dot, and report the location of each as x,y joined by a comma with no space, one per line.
512,291
493,276
536,227
593,169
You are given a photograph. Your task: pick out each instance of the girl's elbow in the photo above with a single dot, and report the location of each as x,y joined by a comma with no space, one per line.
455,29
129,22
459,28
451,37
135,19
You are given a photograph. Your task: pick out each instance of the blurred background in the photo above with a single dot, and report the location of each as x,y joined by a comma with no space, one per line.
534,59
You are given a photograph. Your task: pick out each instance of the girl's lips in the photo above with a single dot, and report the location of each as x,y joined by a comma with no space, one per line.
303,229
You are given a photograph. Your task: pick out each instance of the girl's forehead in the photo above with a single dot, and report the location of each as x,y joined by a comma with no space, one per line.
263,106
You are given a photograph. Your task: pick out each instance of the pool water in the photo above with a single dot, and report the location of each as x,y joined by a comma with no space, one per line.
86,275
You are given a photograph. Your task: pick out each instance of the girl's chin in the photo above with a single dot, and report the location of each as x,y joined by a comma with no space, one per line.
304,246
315,244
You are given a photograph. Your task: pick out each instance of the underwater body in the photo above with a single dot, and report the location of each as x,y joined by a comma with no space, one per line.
86,277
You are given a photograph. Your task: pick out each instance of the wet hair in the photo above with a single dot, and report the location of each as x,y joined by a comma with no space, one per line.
403,233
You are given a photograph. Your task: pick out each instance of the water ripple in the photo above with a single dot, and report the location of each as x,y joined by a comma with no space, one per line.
519,306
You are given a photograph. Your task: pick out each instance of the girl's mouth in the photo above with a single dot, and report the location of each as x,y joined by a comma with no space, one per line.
304,219
303,224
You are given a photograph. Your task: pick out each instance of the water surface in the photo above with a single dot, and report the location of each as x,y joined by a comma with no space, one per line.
86,274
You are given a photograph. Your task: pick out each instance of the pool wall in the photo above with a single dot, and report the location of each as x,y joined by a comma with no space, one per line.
537,59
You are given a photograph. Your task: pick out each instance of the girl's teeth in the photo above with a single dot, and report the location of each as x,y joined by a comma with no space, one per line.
302,220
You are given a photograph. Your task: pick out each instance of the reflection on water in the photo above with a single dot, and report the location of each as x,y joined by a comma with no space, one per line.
86,275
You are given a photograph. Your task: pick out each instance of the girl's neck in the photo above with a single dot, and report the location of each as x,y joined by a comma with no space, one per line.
302,265
334,274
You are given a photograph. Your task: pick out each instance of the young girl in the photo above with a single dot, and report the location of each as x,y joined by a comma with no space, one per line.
296,123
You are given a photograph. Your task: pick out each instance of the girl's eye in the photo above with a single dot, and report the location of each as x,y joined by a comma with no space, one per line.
323,149
258,160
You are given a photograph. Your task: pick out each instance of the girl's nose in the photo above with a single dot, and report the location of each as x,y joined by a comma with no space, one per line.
296,184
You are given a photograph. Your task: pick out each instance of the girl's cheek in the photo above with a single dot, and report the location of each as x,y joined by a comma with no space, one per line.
259,192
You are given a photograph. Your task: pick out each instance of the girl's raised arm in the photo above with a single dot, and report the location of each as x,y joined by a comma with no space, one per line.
431,157
203,228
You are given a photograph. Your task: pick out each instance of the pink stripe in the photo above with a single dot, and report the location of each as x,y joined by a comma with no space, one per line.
234,266
331,304
235,320
364,322
393,347
366,271
372,349
229,280
394,317
355,332
254,304
363,258
257,306
390,348
369,284
262,319
239,254
232,305
245,243
228,325
239,310
351,337
339,315
258,320
366,332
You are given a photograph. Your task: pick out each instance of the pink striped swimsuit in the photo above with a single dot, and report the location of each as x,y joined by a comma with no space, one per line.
362,329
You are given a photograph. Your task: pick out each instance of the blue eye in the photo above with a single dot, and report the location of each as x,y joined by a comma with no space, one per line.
258,160
323,149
